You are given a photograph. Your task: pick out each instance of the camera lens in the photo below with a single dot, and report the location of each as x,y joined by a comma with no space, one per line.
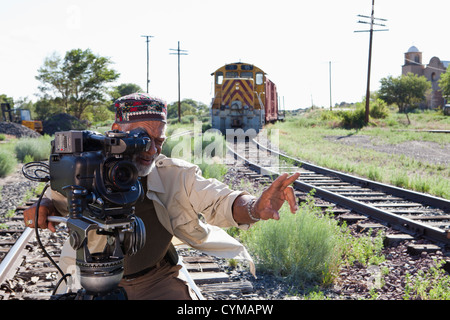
122,174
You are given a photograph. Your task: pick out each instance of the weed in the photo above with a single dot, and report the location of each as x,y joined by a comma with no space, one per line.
433,284
35,148
365,250
7,163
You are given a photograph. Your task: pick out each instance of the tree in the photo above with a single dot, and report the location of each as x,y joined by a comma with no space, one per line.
25,103
45,108
406,90
120,91
123,90
55,84
76,81
188,107
5,99
444,84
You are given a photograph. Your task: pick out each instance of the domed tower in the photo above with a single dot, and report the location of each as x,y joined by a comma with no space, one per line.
413,62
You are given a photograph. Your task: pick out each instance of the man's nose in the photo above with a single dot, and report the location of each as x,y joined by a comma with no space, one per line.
152,149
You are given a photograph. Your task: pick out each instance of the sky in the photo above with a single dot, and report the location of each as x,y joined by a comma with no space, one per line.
294,41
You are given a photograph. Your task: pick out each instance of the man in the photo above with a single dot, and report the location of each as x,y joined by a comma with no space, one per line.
175,194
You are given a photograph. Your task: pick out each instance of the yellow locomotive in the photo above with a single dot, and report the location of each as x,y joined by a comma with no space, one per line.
243,98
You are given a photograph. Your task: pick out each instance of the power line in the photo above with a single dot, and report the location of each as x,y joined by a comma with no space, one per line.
148,41
372,23
179,52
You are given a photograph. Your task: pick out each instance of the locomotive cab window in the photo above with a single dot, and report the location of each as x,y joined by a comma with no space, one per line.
259,78
231,67
246,74
219,77
231,75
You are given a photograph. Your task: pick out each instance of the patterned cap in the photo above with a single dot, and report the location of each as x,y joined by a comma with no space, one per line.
140,107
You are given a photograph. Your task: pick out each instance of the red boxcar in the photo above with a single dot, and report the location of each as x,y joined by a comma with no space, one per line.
271,105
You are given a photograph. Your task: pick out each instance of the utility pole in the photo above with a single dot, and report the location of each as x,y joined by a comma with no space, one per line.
179,53
331,105
372,23
148,41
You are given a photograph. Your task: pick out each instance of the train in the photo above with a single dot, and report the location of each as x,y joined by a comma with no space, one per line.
244,97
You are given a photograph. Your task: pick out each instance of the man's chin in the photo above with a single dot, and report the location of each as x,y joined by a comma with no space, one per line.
144,170
143,167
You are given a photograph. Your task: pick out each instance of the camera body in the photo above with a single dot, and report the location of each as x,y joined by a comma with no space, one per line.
102,164
97,175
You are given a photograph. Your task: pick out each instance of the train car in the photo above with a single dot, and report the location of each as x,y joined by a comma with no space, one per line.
243,98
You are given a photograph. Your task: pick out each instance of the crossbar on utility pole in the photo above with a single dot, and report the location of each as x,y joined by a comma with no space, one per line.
372,23
179,53
148,41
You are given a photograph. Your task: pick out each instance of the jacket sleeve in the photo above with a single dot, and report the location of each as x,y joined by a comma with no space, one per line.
213,199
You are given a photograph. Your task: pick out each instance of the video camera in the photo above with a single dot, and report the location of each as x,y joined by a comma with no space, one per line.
101,164
96,174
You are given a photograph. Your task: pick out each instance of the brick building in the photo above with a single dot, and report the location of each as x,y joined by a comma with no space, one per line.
432,71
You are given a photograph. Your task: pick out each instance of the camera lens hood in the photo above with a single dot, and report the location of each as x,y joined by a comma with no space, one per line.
121,174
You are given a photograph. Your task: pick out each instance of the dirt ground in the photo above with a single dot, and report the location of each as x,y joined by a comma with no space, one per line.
431,152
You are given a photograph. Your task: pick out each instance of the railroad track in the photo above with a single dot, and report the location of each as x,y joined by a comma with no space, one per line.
416,214
26,274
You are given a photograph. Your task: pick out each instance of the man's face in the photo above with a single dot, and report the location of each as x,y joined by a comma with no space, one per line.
144,161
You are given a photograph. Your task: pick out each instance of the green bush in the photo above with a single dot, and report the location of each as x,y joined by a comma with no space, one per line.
210,147
35,148
353,118
216,171
378,109
304,248
328,115
7,163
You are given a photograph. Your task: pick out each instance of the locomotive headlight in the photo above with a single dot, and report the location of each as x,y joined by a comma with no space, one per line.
236,104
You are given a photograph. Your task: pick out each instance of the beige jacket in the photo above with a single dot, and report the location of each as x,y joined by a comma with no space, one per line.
180,193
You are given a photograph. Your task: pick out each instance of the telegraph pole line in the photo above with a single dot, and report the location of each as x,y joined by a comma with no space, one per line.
148,41
372,23
179,53
331,105
330,83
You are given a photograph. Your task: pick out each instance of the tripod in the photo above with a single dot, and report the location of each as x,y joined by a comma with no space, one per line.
100,272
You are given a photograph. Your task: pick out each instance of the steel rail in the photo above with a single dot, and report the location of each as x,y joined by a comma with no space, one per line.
11,261
396,221
396,191
400,222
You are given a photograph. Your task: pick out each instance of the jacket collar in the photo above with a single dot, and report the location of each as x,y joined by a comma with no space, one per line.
154,182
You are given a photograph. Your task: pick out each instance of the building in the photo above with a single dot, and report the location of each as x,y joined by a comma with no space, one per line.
432,71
